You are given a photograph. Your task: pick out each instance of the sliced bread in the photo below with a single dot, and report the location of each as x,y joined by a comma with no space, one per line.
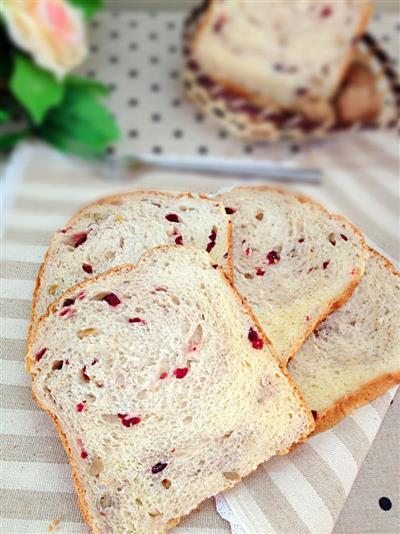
163,388
354,355
293,261
290,52
120,228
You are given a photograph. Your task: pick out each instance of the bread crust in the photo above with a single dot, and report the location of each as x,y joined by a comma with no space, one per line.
110,199
265,101
341,299
131,267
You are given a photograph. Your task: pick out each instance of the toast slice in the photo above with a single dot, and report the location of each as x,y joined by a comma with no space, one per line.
163,388
294,263
354,355
293,53
119,229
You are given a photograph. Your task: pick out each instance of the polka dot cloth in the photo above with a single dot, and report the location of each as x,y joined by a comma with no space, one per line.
138,56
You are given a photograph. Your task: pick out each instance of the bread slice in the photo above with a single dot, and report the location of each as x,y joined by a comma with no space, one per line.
163,388
119,229
290,52
354,355
293,262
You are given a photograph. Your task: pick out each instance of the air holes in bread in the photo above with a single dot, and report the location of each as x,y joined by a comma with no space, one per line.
260,216
96,467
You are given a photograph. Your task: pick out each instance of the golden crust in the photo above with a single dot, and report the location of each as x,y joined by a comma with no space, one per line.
111,199
130,267
347,293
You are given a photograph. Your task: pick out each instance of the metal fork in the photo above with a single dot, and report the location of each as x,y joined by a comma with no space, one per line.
122,168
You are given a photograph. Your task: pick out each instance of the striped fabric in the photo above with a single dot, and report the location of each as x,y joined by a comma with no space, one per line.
302,492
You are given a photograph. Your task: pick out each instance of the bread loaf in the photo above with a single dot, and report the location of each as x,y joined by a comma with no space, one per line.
353,357
293,53
293,261
119,229
163,388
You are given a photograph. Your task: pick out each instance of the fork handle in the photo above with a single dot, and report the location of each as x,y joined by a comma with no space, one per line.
247,167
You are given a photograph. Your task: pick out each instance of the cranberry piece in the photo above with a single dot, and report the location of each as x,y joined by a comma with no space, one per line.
94,361
181,372
85,375
308,318
80,406
39,355
210,246
260,272
129,421
344,237
256,341
112,299
158,467
68,302
229,211
220,23
247,252
325,264
193,65
172,217
163,375
66,362
326,12
314,414
84,455
67,312
273,257
136,320
213,236
301,91
78,239
301,240
179,240
87,268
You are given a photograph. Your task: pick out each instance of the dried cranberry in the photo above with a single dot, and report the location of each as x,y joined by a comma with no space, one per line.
84,374
136,320
95,360
87,268
301,240
68,302
256,341
325,264
129,421
158,467
163,375
78,239
344,237
67,312
314,414
220,23
84,455
229,211
80,406
181,372
172,217
308,318
39,355
210,246
247,252
179,240
112,299
213,236
260,272
273,257
326,12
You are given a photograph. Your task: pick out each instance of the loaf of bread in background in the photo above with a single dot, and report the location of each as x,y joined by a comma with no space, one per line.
293,53
354,355
163,388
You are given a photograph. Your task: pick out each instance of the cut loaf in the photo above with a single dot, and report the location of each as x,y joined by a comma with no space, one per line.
293,262
354,355
120,228
290,52
163,388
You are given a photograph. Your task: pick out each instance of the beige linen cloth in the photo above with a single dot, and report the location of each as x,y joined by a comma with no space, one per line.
299,493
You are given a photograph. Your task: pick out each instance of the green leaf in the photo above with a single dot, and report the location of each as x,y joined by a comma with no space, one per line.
35,88
90,86
4,115
81,125
89,7
9,140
